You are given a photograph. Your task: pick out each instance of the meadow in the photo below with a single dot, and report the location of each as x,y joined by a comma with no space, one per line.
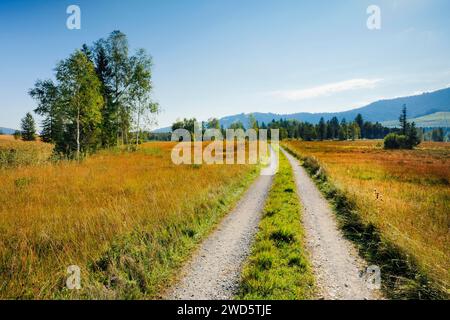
405,194
14,153
127,219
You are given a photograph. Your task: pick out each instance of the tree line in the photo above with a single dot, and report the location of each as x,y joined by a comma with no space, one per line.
293,129
405,137
332,129
101,95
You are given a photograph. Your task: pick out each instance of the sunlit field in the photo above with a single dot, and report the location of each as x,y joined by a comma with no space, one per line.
128,219
406,194
17,152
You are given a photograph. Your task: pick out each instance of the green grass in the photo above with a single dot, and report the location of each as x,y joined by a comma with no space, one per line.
278,266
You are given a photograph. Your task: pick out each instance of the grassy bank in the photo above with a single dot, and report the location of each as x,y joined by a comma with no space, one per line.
377,208
278,267
128,220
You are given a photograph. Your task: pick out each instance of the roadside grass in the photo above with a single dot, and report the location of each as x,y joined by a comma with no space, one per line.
278,266
128,219
383,208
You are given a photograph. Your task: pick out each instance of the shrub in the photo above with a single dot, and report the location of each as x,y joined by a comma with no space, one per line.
403,142
398,141
391,142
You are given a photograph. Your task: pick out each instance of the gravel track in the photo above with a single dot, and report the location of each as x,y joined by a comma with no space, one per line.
214,271
336,263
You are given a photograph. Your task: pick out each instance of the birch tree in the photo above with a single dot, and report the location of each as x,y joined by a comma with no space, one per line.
140,89
81,99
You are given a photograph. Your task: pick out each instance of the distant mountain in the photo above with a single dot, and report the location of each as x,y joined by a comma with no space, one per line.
382,110
419,105
7,130
162,130
434,120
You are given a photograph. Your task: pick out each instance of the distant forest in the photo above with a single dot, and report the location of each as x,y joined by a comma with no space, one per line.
293,129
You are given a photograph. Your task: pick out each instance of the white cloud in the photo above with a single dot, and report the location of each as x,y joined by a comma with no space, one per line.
325,90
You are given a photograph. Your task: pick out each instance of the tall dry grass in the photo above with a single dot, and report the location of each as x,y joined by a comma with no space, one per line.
404,193
56,215
15,153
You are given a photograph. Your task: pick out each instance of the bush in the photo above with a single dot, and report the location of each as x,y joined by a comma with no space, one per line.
391,141
398,141
403,142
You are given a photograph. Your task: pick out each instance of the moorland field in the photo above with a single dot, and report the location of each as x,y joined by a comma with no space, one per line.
127,219
405,194
130,219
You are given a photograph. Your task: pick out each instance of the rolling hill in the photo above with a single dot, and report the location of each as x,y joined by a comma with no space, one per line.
434,120
382,110
437,103
7,130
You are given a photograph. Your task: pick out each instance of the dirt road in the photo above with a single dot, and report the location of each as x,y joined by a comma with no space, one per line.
214,271
336,263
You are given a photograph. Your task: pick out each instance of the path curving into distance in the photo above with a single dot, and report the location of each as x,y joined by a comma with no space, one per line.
337,266
214,271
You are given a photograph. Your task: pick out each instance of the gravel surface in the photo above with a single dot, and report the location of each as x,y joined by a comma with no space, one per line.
336,263
214,271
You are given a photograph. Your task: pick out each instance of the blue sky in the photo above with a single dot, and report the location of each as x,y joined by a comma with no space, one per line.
221,57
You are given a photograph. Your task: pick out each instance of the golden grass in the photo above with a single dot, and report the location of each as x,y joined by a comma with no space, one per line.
15,153
405,193
56,215
6,137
